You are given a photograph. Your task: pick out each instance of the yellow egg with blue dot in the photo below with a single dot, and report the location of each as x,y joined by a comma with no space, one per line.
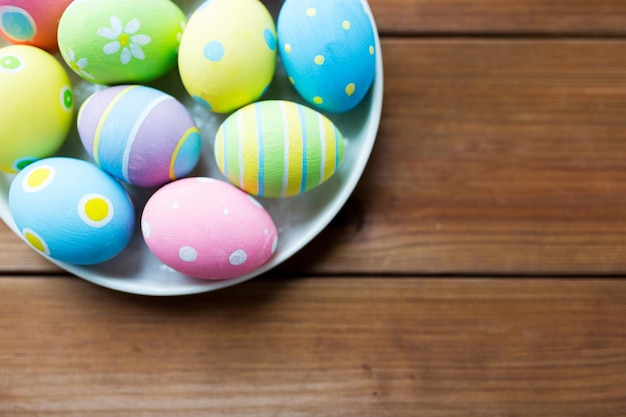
227,54
328,50
278,148
70,210
37,106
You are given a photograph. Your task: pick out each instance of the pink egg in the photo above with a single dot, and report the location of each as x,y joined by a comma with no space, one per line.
206,228
32,22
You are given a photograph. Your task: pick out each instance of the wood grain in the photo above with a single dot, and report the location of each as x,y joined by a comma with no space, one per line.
316,347
493,157
500,17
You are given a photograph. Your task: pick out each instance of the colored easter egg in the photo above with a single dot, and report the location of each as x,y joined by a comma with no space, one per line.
139,134
71,211
119,41
227,54
328,50
37,106
278,148
206,228
32,22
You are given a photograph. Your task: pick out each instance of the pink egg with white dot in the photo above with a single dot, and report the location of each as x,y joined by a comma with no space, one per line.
207,228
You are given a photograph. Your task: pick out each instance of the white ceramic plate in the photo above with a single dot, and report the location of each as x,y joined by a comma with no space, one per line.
298,219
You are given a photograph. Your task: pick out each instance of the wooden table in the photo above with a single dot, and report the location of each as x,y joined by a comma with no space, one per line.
477,270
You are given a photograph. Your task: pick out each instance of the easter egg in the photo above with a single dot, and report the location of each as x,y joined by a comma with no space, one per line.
328,50
139,134
227,54
206,228
37,106
31,22
71,211
120,41
278,148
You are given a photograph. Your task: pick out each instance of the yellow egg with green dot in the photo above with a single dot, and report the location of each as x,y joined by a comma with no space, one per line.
37,106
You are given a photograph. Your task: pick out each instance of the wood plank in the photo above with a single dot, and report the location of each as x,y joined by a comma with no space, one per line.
316,346
493,157
539,17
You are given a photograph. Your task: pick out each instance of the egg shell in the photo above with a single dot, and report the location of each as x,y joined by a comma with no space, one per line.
328,50
120,41
278,148
37,106
228,53
30,22
209,229
71,211
139,134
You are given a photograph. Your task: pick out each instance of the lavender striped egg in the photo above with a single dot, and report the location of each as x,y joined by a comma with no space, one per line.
278,148
140,135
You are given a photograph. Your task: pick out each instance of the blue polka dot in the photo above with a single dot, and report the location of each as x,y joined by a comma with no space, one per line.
16,23
213,51
203,102
270,39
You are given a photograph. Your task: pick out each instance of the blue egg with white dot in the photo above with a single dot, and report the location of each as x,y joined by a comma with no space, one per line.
71,211
227,54
328,49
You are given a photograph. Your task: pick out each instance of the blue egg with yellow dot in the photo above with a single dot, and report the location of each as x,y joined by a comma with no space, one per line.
71,211
328,50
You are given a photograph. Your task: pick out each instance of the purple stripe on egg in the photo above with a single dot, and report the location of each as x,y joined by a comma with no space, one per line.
155,142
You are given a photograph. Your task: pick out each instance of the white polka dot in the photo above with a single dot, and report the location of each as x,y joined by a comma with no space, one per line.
274,244
267,232
226,212
203,179
238,257
145,228
175,205
187,254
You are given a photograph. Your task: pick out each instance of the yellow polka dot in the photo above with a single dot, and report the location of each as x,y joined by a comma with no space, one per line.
350,89
291,80
319,59
311,12
95,210
288,48
346,24
36,241
38,179
371,50
317,100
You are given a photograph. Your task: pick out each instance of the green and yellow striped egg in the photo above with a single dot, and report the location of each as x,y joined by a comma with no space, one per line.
278,148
